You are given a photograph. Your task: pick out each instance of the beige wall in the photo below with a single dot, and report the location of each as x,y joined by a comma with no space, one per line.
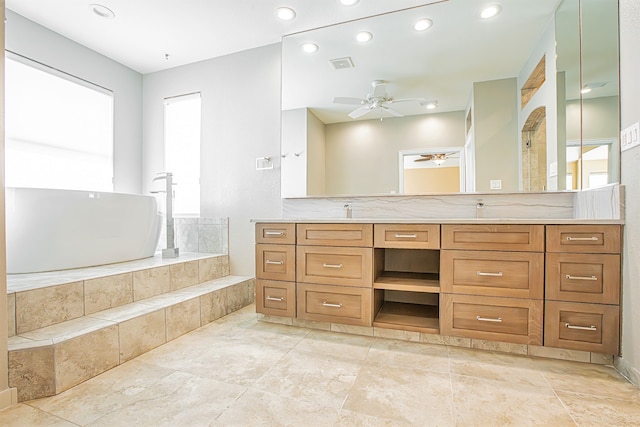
495,123
362,156
630,174
316,156
599,118
432,180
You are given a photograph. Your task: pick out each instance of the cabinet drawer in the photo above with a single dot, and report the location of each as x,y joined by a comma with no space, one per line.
335,234
276,262
410,236
591,278
276,298
499,319
336,304
281,234
579,326
584,238
335,266
501,237
507,274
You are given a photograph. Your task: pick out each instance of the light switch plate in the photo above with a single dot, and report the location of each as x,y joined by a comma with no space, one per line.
553,169
495,184
630,137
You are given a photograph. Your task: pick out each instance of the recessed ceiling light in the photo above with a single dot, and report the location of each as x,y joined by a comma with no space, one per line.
309,47
430,105
349,2
422,24
490,11
285,13
364,36
102,11
585,90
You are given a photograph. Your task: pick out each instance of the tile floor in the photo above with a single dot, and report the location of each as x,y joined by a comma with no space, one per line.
238,371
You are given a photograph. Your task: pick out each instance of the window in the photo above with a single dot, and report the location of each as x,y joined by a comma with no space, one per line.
59,129
182,117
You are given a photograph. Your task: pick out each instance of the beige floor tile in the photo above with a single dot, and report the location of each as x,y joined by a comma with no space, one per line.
312,377
103,394
179,399
339,345
405,394
400,354
587,378
356,419
590,410
22,415
482,402
257,408
496,366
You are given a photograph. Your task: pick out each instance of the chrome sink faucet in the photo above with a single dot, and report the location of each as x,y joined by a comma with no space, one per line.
348,210
479,208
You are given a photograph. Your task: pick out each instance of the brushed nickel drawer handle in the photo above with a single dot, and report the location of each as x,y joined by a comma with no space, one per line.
274,233
591,239
406,236
325,265
498,274
582,328
328,304
488,319
274,262
280,299
568,276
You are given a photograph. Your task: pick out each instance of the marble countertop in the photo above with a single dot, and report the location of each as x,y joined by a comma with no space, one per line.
440,220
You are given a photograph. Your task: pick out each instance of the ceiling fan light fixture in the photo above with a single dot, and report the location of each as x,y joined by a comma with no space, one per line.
423,24
490,11
102,11
285,13
349,2
364,36
309,47
438,162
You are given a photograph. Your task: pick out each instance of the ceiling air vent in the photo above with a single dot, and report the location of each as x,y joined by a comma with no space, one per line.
340,63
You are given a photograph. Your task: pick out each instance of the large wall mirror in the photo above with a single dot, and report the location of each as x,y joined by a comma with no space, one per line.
526,100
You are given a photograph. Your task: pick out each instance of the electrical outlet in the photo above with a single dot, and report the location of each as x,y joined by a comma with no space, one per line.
495,184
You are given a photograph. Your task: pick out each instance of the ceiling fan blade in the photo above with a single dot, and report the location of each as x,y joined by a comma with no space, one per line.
359,112
423,159
348,100
406,100
392,111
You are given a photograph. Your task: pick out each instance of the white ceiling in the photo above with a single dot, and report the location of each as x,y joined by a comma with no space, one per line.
143,31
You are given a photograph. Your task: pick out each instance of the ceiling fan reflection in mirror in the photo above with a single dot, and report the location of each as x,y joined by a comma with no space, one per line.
378,100
438,158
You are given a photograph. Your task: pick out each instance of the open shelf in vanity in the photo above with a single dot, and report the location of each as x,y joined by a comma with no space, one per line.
406,289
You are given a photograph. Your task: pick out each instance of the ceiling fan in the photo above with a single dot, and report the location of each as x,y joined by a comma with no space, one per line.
438,158
379,99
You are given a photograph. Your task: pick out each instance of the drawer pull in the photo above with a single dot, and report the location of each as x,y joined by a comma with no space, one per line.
279,299
582,328
328,304
590,239
274,262
482,273
489,319
325,265
570,277
274,233
406,236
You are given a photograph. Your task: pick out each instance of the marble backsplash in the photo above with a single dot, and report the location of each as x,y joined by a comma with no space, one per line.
205,235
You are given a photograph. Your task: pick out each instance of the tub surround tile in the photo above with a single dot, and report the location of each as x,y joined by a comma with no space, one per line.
32,373
107,292
63,302
68,330
213,306
241,295
84,357
182,318
11,314
151,282
142,334
184,275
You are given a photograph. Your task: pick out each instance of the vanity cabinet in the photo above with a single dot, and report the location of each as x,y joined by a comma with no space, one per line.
532,284
334,272
276,269
492,282
582,298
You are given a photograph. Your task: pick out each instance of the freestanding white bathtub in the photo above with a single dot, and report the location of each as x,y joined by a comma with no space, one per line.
60,229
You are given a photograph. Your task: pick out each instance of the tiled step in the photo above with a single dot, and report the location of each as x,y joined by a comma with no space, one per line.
76,293
51,359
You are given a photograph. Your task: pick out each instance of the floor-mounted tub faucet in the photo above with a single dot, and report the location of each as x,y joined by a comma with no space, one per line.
171,251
